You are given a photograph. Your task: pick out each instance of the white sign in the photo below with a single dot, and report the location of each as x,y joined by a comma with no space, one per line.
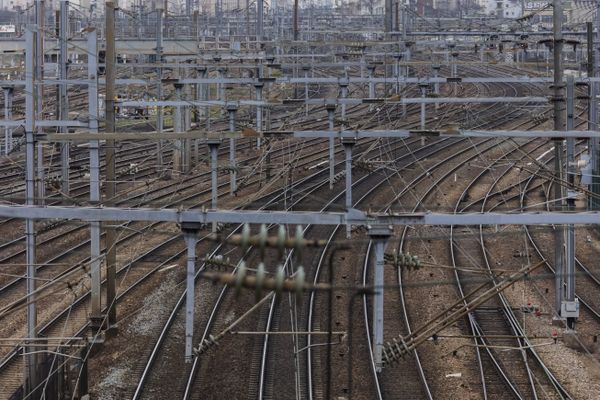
535,5
7,29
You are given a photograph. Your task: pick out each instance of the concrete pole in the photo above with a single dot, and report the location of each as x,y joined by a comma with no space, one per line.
190,235
213,146
371,69
232,109
96,317
30,113
110,186
331,115
348,144
380,235
8,100
63,102
559,124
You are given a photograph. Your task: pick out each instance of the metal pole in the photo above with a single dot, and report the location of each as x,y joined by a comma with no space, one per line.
295,19
570,170
110,184
63,113
348,144
159,88
344,88
95,260
8,94
259,110
423,93
595,143
558,150
190,237
31,364
177,122
232,109
39,68
388,18
371,83
331,114
380,235
213,145
259,20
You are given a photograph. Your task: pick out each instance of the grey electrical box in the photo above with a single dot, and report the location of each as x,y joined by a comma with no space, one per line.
570,309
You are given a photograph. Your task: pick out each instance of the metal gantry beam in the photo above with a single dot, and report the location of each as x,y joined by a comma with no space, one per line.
352,216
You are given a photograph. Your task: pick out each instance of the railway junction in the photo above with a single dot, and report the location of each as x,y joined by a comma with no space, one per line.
299,201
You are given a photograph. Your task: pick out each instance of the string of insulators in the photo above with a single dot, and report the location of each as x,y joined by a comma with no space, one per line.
262,283
401,260
262,241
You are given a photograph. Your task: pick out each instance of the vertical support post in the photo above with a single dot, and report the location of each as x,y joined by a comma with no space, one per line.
569,305
259,110
39,70
259,20
559,125
63,109
190,235
159,88
8,99
344,89
371,69
221,86
330,116
30,235
388,18
178,151
110,184
436,85
203,95
558,148
95,260
423,86
348,144
213,145
295,19
232,109
380,235
306,68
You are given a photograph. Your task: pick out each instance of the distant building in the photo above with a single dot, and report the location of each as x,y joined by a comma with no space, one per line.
504,8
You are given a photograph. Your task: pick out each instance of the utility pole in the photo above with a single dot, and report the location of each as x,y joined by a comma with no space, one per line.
295,19
388,18
110,184
259,20
159,88
63,102
39,71
594,148
30,235
96,317
559,125
570,307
